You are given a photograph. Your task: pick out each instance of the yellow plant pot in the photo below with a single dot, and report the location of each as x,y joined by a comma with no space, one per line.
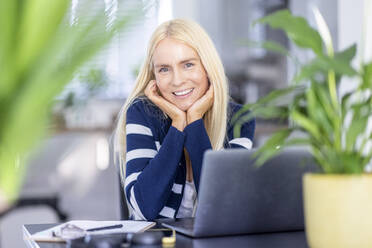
338,210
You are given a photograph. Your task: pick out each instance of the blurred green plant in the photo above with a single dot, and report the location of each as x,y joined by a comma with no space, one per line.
40,52
334,126
91,83
94,80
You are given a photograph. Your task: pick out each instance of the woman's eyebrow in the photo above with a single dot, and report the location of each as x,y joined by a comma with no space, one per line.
161,65
188,60
181,62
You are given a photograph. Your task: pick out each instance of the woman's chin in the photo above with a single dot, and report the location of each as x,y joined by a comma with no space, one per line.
184,107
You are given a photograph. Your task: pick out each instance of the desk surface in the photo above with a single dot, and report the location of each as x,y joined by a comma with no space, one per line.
277,240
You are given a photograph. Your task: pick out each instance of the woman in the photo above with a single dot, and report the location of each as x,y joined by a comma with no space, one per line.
178,109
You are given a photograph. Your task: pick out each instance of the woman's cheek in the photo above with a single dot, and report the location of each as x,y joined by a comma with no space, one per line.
162,86
200,76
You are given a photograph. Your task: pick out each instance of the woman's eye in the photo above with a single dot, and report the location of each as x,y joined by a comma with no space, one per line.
163,69
188,65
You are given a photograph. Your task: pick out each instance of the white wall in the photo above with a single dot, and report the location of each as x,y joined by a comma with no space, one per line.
350,25
353,27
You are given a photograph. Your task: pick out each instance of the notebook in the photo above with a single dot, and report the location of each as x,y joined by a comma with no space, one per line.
237,197
91,227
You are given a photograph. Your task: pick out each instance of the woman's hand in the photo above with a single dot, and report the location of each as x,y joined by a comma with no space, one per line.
178,116
201,106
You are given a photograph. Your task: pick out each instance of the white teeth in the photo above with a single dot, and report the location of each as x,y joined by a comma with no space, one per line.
182,93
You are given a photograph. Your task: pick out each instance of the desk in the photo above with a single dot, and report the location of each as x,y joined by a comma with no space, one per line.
277,240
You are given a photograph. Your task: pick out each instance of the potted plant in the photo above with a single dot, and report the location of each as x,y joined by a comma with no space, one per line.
40,52
337,201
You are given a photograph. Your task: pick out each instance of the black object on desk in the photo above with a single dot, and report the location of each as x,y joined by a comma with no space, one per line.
108,241
105,228
144,239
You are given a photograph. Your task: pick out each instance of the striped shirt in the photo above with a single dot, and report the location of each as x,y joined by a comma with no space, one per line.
155,160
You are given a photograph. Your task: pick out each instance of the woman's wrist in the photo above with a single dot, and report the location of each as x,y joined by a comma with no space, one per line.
193,117
179,124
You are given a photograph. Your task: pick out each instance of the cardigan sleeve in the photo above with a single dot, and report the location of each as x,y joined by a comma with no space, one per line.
196,143
150,170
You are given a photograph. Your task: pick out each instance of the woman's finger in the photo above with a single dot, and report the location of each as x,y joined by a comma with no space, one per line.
170,109
150,88
210,91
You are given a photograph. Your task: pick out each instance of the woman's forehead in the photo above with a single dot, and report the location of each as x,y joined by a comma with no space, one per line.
173,51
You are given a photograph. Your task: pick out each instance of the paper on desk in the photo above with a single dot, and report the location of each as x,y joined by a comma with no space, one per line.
129,226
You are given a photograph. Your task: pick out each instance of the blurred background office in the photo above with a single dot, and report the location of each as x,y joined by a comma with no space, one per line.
73,175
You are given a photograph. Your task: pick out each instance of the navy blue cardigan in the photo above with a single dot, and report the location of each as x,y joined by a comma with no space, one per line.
155,160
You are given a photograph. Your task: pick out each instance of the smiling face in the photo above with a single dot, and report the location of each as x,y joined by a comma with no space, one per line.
179,73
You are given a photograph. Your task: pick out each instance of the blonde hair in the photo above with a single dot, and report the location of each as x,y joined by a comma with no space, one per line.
189,32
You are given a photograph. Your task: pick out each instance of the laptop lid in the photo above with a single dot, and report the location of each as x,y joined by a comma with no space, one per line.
236,196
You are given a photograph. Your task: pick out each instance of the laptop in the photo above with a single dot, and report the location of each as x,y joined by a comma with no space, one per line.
237,197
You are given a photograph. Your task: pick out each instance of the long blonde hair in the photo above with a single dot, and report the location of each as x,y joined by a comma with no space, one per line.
189,32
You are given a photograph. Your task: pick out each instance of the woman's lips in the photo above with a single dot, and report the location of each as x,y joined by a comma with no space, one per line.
183,93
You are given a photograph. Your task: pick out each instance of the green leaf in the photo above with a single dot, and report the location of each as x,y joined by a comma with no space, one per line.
357,125
39,26
317,113
334,116
306,124
297,29
322,65
344,103
346,55
308,71
324,99
267,45
263,112
339,66
48,54
367,76
8,18
321,160
298,142
272,146
271,99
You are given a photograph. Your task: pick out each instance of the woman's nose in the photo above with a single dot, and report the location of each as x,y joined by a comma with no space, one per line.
178,78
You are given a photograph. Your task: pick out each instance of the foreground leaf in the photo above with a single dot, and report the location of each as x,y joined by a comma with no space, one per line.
297,29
